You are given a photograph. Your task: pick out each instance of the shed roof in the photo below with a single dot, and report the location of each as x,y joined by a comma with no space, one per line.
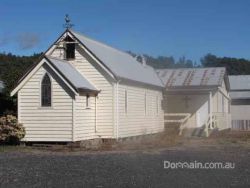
121,64
192,77
239,94
239,82
71,74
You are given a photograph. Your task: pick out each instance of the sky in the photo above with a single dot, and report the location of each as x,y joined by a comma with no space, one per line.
190,28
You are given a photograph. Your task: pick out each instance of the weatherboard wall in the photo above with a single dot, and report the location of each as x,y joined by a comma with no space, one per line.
105,101
45,123
85,121
135,117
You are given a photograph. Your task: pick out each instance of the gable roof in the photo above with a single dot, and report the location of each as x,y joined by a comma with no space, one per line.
78,81
121,64
239,82
65,70
192,77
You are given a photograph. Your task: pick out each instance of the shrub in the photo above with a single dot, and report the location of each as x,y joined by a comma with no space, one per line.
10,130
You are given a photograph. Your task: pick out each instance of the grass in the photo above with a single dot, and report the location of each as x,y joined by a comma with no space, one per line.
15,148
6,148
167,139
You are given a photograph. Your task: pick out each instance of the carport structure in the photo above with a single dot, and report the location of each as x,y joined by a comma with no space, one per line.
200,94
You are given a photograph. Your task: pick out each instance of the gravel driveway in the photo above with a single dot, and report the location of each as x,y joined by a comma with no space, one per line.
124,169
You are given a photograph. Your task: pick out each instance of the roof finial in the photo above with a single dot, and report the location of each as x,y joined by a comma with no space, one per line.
67,24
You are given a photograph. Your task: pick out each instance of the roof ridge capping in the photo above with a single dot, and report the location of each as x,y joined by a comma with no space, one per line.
101,43
190,68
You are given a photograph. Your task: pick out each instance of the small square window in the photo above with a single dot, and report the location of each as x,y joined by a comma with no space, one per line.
87,102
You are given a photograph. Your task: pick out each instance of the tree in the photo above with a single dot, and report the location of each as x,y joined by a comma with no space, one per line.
234,66
12,67
163,62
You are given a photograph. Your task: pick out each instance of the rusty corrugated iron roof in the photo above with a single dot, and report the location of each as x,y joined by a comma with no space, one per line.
192,77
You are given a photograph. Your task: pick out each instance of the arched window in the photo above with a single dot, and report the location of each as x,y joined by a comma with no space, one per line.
46,91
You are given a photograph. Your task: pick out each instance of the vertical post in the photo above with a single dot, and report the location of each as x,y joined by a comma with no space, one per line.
96,113
117,110
73,119
19,107
210,107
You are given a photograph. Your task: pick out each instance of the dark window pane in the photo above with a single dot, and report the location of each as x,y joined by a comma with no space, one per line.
240,102
70,47
70,51
46,91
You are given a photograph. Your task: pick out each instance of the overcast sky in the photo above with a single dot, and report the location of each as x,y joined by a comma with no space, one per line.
191,28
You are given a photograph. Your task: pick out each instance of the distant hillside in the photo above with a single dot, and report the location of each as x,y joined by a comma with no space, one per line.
235,66
12,68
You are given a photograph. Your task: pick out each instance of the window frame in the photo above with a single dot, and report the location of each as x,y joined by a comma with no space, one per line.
68,42
157,105
66,50
126,101
88,102
41,92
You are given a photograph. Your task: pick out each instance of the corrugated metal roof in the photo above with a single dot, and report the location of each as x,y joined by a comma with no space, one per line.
121,64
192,77
239,82
240,94
73,76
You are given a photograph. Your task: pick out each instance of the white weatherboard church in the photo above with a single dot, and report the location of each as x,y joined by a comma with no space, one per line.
82,89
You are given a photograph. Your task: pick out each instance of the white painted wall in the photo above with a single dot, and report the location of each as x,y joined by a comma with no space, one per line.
137,120
45,123
202,114
197,102
240,112
85,123
105,104
221,104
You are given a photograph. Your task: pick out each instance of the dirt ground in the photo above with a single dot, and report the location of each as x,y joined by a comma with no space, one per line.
131,163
